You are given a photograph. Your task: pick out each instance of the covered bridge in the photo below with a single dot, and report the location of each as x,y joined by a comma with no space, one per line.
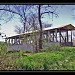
61,34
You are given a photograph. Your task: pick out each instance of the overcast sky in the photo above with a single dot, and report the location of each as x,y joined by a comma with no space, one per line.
65,17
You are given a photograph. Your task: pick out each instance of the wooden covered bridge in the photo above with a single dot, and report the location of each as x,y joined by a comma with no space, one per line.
61,34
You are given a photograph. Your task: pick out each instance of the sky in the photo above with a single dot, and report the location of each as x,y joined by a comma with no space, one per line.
65,17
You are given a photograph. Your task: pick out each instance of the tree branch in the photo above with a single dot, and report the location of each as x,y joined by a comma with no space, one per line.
12,11
48,13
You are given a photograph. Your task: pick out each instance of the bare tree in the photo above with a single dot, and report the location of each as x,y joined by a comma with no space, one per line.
33,26
42,10
18,29
24,12
33,22
21,10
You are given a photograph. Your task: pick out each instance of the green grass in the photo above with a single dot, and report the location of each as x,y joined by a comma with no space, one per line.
61,59
55,60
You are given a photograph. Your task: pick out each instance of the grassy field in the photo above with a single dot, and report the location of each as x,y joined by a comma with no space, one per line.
61,59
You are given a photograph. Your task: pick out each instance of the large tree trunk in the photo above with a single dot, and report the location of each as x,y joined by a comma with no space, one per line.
40,32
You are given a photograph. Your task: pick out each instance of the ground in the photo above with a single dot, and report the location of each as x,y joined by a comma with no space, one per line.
61,59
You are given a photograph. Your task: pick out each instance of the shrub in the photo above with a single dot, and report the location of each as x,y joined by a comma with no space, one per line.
38,61
3,47
51,47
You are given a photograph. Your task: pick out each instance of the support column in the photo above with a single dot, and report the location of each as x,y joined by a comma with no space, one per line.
15,40
56,35
12,41
47,36
71,37
67,35
53,37
50,36
6,40
19,40
9,41
60,35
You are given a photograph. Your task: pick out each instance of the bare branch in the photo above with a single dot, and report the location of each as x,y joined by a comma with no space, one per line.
49,12
55,9
18,29
12,11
